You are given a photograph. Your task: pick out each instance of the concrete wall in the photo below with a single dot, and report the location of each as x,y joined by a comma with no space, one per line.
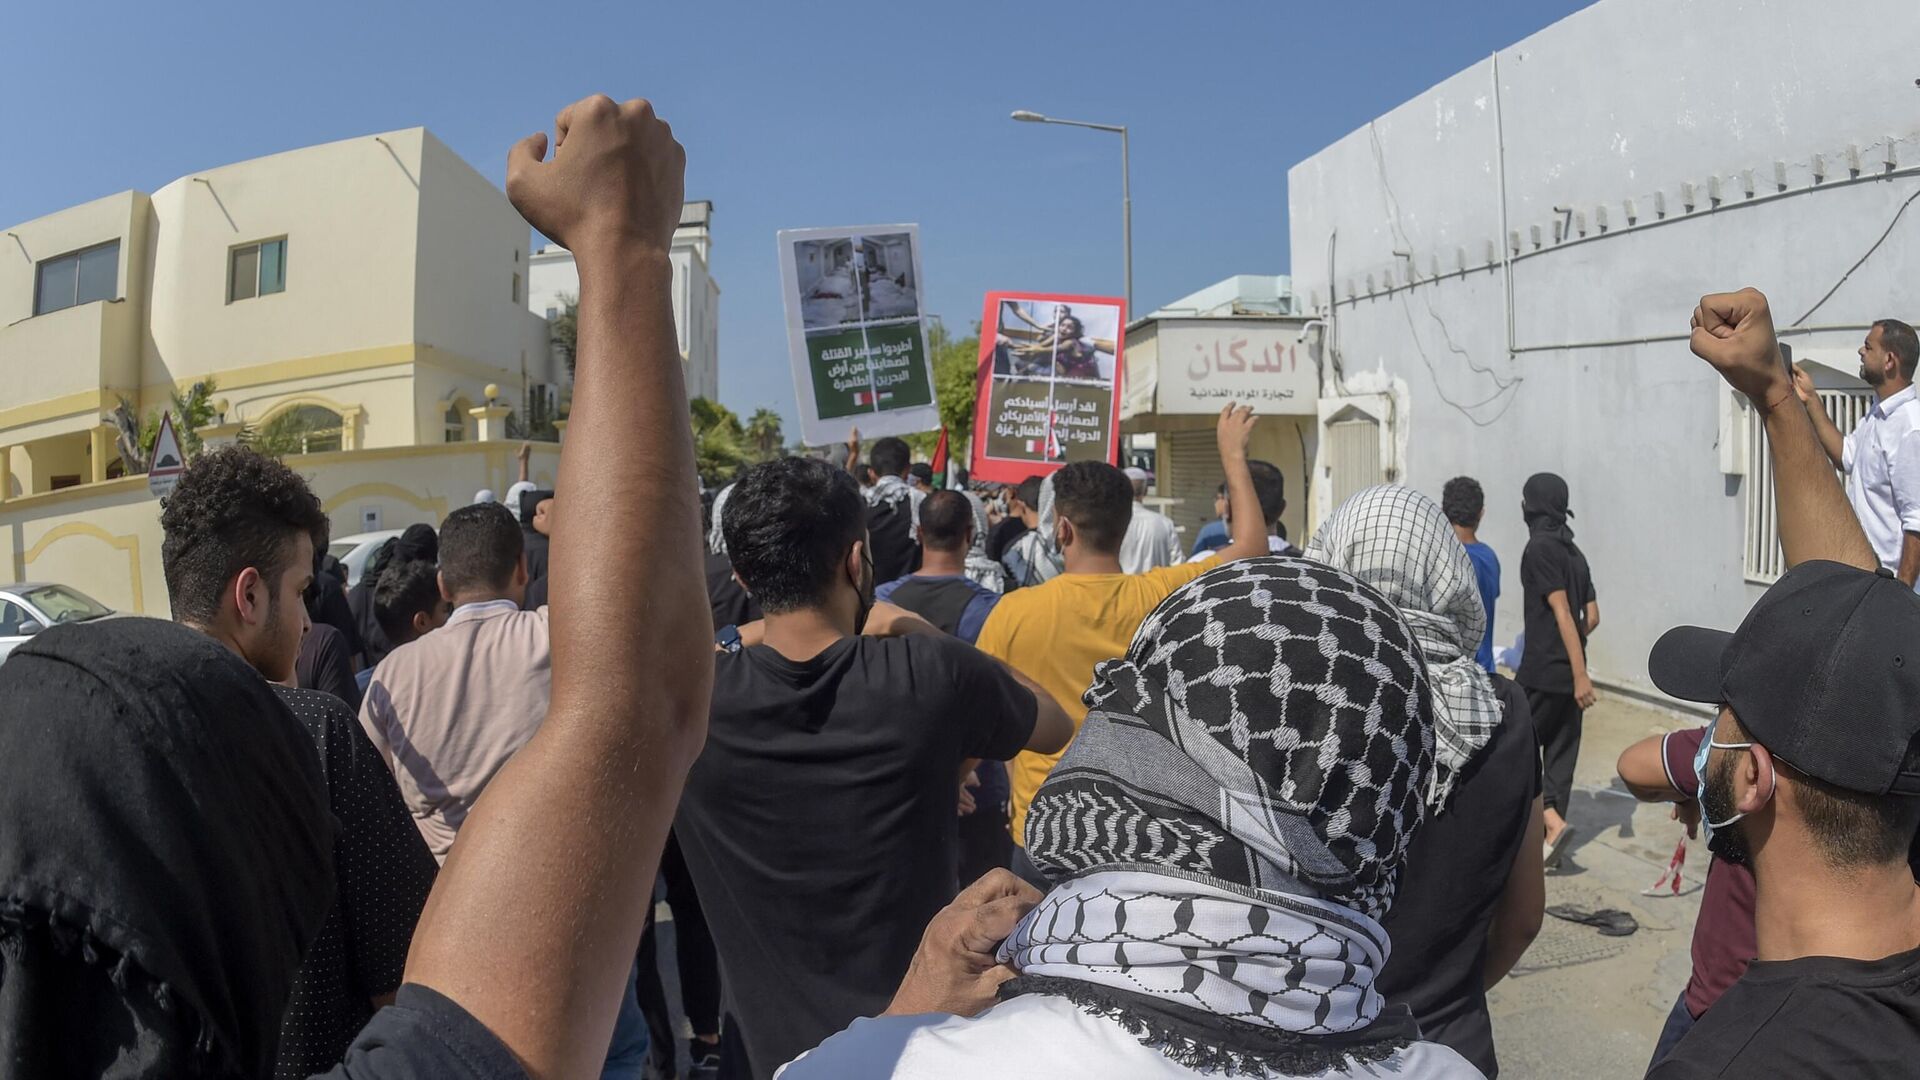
53,366
104,539
1615,113
349,213
471,244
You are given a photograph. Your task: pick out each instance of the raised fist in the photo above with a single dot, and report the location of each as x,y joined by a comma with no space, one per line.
613,184
1734,333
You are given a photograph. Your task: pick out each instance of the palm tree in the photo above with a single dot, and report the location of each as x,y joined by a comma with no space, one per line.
763,431
191,412
719,442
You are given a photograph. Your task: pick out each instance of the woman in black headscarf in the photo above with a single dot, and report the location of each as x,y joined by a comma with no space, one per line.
1561,611
165,855
418,542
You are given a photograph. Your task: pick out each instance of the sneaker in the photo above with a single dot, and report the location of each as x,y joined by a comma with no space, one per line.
705,1067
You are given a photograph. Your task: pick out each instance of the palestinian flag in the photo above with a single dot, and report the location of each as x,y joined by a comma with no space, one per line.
939,462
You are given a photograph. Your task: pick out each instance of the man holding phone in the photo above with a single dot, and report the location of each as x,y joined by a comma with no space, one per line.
1881,458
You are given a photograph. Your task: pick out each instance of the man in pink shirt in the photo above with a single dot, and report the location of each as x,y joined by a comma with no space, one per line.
449,708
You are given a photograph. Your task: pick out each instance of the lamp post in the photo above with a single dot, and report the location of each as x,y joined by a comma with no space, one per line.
1126,185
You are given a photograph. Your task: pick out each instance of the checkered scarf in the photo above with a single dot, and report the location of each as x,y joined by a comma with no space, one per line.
1226,828
1396,540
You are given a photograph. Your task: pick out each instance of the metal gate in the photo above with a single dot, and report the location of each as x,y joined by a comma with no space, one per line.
1353,456
1190,471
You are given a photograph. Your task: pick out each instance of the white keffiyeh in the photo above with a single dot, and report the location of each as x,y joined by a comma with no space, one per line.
1290,963
1398,541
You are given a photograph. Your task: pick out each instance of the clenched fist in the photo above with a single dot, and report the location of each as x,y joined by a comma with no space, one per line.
1734,333
613,185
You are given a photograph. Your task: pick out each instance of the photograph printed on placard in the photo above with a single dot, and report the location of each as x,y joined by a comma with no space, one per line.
1038,339
850,280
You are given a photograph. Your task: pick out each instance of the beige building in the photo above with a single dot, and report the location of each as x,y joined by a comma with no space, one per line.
378,286
378,283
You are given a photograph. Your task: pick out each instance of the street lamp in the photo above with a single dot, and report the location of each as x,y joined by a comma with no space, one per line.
1126,187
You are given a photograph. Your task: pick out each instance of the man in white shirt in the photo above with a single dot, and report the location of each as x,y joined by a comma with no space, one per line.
1881,458
1152,539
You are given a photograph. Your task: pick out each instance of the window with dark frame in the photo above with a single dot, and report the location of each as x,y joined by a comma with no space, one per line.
78,277
257,269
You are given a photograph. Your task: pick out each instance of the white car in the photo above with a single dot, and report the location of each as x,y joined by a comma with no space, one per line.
354,551
32,606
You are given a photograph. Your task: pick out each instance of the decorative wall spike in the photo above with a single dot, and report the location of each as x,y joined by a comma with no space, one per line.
1891,158
1713,191
1659,205
1513,241
1600,218
1534,235
1779,176
1853,160
1460,257
1493,254
1746,182
1633,213
1819,168
1686,196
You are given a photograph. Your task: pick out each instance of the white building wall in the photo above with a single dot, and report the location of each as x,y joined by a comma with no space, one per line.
1616,113
553,279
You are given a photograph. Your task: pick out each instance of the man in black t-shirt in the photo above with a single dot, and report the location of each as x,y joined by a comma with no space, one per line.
819,819
893,507
1812,766
1561,610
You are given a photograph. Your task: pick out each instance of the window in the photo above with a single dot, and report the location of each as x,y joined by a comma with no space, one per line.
455,422
551,312
257,269
1764,562
79,277
516,287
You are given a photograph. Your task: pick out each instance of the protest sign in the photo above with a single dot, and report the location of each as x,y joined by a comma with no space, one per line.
1049,384
856,331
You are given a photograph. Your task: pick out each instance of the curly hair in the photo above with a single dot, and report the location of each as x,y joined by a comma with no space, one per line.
232,509
1463,502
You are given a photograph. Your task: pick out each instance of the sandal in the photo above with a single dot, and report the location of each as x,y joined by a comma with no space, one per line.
1611,922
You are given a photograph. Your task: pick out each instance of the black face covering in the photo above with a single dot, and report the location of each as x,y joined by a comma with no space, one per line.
1543,502
165,855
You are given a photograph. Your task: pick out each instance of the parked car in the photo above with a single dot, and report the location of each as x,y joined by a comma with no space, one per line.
354,551
30,607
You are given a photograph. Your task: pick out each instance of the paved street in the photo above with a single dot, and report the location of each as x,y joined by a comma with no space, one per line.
1582,1005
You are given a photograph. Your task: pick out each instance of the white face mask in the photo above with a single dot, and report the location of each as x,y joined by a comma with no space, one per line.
1700,792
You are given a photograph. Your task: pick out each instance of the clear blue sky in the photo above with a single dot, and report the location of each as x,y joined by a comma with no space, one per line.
793,115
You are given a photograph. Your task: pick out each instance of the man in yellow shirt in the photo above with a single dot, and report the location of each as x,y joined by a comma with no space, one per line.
1055,632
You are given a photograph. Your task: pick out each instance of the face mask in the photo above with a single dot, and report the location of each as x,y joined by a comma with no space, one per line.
1723,849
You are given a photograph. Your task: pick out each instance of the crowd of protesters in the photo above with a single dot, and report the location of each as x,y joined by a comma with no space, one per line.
938,782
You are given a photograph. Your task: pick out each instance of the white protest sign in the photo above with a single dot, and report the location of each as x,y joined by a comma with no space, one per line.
856,331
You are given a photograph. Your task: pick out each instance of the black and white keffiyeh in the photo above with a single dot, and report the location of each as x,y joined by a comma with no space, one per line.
1225,830
981,569
1398,541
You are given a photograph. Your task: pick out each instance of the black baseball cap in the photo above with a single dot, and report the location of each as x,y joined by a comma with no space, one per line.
1817,673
